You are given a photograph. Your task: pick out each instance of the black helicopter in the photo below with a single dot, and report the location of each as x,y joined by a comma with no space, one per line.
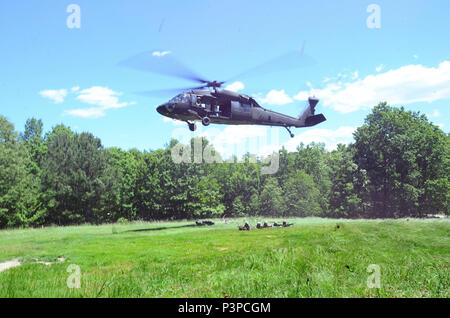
209,103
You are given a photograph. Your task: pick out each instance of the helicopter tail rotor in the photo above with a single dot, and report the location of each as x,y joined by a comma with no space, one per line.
308,115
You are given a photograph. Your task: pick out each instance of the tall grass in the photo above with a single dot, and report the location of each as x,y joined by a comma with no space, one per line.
314,258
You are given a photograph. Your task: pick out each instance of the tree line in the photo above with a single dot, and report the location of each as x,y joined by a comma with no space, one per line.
397,166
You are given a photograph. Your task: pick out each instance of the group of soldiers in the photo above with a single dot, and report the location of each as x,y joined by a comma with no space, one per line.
247,227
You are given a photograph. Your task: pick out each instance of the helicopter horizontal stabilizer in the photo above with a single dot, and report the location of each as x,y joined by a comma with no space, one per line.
314,120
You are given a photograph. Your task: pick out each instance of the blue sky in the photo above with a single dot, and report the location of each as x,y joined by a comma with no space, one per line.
70,76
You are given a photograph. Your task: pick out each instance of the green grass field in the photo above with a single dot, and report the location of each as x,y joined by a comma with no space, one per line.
313,258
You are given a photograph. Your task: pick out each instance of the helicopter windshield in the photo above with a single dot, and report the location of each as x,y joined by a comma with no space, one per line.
180,98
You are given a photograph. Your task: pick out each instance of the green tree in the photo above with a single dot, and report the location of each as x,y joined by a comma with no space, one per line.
167,189
126,165
271,200
404,156
302,196
312,159
35,143
240,184
19,189
77,180
348,184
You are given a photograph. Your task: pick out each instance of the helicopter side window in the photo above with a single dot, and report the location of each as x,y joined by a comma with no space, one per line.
246,107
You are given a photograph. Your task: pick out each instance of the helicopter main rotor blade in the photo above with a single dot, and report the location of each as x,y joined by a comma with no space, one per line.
290,60
161,63
166,92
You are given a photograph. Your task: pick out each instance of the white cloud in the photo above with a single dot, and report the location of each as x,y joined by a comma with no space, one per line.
103,97
435,114
303,95
338,78
238,133
415,56
275,97
57,96
235,86
236,140
407,84
93,112
331,138
379,68
262,140
173,121
341,76
160,53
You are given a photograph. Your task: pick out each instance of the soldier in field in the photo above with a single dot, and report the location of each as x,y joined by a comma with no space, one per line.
266,225
246,227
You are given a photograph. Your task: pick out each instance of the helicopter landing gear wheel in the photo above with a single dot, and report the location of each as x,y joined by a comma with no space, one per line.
192,126
290,133
206,121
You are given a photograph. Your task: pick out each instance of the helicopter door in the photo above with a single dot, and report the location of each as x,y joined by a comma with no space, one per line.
225,109
240,111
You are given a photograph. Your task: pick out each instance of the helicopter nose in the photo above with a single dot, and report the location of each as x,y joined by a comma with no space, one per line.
165,108
170,107
161,109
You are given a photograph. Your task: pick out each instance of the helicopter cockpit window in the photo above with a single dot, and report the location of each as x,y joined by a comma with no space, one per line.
181,98
186,98
176,99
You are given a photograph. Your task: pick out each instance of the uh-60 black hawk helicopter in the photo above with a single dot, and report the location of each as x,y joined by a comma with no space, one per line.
209,103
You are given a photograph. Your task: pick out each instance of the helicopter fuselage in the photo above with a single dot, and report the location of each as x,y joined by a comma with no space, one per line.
226,107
